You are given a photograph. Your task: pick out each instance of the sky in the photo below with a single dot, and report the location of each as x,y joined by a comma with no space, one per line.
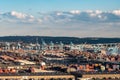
72,18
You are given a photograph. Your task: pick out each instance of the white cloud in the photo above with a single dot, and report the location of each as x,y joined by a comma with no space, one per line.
94,13
59,13
75,12
116,12
84,16
98,12
19,17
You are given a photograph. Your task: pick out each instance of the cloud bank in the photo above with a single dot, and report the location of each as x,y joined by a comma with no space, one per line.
62,16
78,23
68,16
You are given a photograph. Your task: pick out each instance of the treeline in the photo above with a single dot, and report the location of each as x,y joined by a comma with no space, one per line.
65,40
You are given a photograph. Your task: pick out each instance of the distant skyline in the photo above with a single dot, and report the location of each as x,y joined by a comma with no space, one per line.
74,18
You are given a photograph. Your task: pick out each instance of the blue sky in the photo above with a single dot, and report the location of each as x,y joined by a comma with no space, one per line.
53,5
79,18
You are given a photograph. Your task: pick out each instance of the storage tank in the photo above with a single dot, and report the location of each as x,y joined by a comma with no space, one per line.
1,71
71,69
81,67
102,68
42,65
5,71
12,70
31,69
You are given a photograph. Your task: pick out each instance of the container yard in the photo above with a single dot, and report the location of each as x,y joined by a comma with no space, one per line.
75,61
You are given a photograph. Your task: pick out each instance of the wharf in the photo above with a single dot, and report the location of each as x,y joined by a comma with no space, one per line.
36,76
